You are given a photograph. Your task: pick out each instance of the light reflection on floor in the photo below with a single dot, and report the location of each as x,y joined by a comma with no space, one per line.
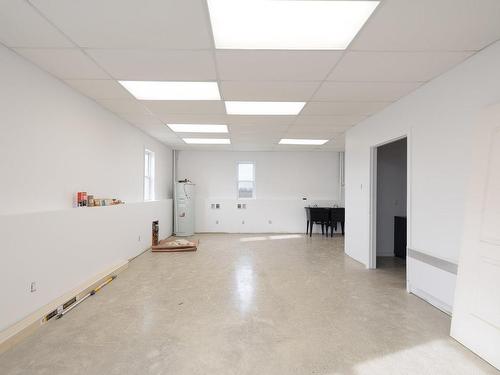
273,237
244,284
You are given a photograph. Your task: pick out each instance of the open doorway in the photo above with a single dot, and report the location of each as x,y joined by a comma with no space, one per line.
391,206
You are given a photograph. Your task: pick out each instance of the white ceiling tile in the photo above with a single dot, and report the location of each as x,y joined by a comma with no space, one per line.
364,91
447,25
262,91
260,120
176,118
257,129
142,119
180,24
395,66
124,106
275,65
156,65
22,26
312,134
249,146
210,107
338,121
203,147
64,63
100,88
152,126
268,137
158,131
343,108
331,129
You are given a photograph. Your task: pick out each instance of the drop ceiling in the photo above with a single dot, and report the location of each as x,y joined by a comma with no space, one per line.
92,44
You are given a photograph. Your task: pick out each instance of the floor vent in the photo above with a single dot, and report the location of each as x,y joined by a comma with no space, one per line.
69,303
50,315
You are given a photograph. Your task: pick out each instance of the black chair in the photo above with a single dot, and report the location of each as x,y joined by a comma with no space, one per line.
337,215
317,215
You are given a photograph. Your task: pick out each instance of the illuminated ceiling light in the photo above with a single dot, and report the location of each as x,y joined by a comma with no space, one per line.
162,90
292,25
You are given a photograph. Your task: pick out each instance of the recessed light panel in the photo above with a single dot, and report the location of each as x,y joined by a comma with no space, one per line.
316,142
207,141
264,108
161,90
198,128
293,25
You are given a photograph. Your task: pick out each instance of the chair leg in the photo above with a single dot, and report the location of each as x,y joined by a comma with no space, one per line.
311,229
342,225
307,228
332,230
322,228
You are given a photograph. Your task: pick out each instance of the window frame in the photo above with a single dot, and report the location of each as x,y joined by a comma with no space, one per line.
254,190
149,174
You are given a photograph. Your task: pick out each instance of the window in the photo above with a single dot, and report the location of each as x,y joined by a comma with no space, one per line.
246,180
149,175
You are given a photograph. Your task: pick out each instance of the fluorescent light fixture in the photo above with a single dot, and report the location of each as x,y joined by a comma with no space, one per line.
264,108
288,141
198,128
207,141
293,25
161,90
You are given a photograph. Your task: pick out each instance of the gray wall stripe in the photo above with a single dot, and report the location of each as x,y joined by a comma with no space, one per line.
433,261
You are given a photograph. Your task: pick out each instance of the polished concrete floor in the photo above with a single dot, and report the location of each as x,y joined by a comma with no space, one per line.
249,304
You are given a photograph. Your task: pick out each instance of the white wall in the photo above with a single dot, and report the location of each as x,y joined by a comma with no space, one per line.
391,193
53,143
282,180
439,118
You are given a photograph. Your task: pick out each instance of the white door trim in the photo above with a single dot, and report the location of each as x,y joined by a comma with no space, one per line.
372,256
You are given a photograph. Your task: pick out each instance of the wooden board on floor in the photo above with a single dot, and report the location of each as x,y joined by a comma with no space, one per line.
164,248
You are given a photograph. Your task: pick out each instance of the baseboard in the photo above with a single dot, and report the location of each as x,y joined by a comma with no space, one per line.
25,327
432,300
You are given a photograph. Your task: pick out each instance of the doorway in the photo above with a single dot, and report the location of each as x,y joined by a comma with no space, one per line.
390,208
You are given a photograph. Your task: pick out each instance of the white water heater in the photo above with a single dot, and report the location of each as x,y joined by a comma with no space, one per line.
184,209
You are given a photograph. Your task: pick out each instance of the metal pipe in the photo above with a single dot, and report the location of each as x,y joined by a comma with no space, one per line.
91,293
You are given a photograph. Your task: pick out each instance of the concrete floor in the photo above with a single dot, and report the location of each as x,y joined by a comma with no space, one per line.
249,304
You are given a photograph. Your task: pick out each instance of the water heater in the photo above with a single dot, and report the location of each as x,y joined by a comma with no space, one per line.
184,209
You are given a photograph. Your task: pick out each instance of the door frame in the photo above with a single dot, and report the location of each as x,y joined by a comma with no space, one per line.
372,258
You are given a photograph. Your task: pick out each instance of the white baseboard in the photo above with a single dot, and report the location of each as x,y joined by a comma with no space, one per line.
447,309
20,330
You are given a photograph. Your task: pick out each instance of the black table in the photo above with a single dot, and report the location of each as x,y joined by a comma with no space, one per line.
327,217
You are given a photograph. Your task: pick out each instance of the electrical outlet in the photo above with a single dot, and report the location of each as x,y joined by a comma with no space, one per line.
33,287
138,238
242,221
216,221
270,221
